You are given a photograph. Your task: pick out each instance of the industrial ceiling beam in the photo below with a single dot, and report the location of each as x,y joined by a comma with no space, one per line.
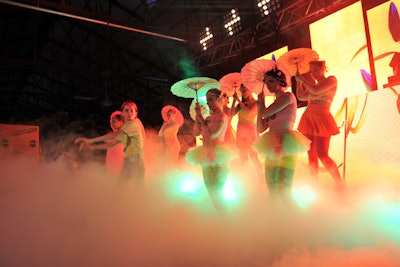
87,19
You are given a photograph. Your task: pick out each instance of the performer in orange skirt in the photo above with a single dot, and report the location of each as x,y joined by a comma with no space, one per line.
317,123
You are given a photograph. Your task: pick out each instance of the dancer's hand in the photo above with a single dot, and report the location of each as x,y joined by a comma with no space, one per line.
82,139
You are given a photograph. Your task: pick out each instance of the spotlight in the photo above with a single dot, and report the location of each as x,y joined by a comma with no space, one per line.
232,22
206,38
267,7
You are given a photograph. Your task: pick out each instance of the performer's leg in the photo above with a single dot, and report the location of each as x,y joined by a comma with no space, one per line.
214,180
286,173
313,157
271,175
322,151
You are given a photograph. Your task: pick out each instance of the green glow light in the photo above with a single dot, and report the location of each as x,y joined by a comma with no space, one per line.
230,192
304,196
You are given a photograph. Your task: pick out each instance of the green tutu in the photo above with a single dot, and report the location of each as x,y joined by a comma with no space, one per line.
275,146
211,155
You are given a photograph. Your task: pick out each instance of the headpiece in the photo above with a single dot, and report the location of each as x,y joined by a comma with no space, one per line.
215,92
279,75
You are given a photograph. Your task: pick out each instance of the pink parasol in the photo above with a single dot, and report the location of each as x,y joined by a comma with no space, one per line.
253,74
194,87
178,114
298,60
230,83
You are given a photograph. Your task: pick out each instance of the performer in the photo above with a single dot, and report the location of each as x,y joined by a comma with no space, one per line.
132,136
213,155
230,132
115,154
168,134
115,150
317,123
246,132
280,144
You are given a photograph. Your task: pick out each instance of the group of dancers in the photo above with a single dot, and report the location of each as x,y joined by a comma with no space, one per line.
279,144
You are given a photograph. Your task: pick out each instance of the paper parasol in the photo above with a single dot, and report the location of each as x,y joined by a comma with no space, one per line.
298,59
230,83
205,110
253,74
178,114
194,87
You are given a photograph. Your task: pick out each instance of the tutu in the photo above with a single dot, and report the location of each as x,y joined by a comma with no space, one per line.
275,146
318,121
211,155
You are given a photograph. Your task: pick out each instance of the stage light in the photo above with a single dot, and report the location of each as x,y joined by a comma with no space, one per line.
267,7
230,191
191,185
304,196
206,38
232,22
151,3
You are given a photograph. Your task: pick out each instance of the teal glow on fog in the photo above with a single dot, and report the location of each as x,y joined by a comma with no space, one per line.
304,196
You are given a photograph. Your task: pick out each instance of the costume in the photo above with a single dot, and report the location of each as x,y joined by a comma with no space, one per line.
115,159
230,135
246,132
230,132
212,152
132,138
317,119
169,140
281,140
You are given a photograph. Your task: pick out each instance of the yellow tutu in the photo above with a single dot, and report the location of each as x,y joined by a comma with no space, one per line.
211,155
275,146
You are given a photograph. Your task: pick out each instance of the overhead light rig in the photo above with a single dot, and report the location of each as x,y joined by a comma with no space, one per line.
283,20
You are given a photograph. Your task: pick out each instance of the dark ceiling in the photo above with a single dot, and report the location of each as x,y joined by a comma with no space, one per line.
67,57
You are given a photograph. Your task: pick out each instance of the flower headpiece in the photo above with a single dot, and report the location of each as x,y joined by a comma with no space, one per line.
279,75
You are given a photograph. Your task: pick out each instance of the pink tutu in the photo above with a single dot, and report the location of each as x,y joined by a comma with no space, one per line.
211,155
275,146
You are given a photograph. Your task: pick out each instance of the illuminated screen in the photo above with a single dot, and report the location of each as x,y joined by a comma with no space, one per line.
382,42
277,53
371,149
337,38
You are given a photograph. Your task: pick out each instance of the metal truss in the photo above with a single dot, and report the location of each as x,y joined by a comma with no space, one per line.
292,15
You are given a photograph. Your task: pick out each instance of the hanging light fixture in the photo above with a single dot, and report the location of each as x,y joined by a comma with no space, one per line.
268,7
206,38
232,22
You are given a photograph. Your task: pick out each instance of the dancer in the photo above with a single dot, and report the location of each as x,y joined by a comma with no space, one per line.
115,150
115,154
280,144
246,132
230,133
317,123
213,155
132,136
168,134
